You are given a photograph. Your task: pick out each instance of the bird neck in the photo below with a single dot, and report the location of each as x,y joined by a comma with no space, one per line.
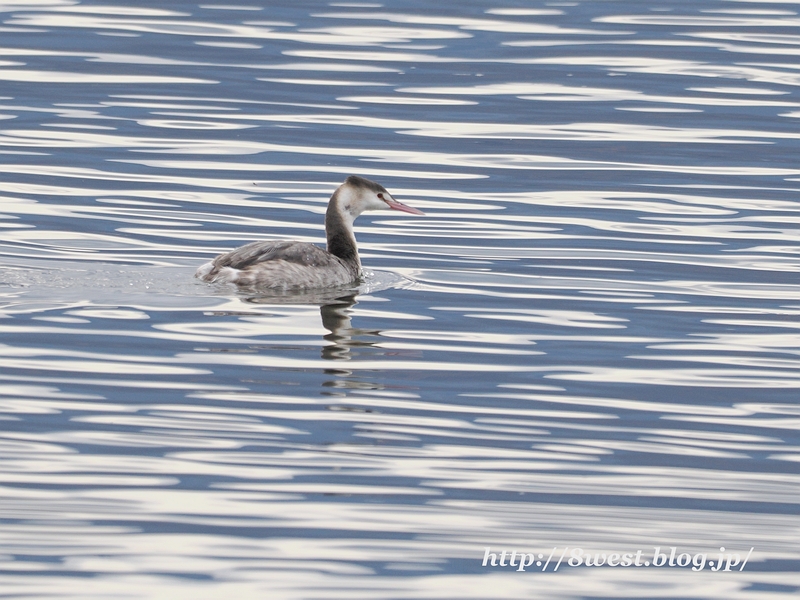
339,231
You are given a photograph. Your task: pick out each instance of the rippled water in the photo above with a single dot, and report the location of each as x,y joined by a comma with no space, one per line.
590,341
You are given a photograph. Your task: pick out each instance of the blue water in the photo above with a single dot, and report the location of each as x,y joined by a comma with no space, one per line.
588,346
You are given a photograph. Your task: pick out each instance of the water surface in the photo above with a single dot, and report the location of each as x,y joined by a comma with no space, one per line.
590,341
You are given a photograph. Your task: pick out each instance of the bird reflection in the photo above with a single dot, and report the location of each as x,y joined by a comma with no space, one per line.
336,319
335,309
343,341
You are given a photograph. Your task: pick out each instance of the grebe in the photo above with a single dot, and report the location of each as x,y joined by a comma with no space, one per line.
284,265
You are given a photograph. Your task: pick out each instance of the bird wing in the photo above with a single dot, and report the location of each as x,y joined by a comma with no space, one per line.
301,253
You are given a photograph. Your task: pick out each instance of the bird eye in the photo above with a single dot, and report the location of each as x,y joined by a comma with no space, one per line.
380,195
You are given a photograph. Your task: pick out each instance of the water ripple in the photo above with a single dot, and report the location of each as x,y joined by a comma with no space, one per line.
589,341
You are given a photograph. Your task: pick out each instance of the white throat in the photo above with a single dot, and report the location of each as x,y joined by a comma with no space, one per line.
346,200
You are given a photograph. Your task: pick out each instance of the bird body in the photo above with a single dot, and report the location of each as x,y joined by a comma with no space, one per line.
285,265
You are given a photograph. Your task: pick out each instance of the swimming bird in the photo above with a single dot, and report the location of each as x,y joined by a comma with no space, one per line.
287,265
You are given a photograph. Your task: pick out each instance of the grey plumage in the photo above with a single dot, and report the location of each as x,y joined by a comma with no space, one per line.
280,265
